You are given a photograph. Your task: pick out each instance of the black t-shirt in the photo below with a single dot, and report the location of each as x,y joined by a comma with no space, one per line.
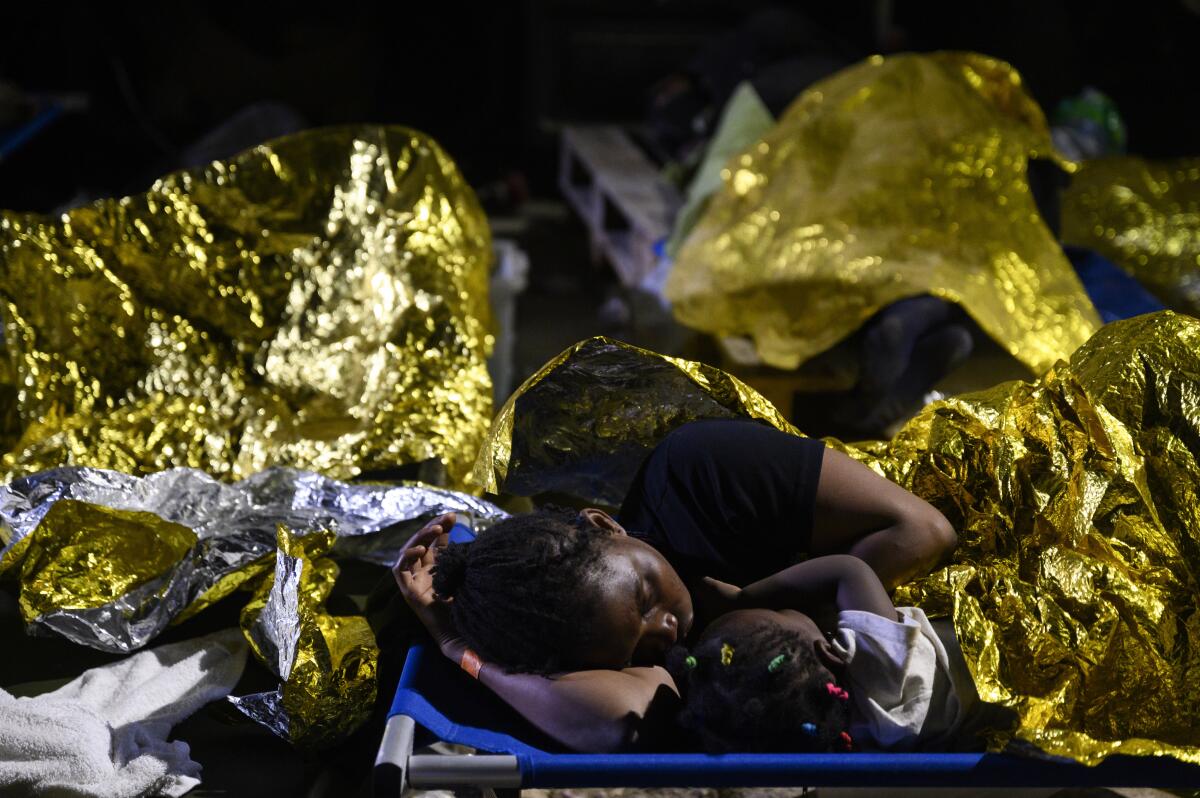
730,499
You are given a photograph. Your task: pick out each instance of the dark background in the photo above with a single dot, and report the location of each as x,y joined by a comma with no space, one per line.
494,82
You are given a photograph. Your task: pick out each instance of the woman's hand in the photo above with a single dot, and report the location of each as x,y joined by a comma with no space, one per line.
413,572
712,598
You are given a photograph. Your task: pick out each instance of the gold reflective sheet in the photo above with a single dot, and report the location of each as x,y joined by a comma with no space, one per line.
319,301
84,556
329,689
588,443
899,176
1073,591
1144,216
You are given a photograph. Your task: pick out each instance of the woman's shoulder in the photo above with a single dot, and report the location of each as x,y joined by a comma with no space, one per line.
643,699
733,429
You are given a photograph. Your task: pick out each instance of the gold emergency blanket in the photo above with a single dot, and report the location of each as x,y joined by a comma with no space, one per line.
327,663
1145,217
584,422
1074,588
896,177
319,301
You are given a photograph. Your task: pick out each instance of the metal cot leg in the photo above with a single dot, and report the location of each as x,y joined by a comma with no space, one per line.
396,767
391,764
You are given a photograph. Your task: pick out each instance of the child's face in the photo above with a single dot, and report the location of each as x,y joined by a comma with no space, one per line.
644,607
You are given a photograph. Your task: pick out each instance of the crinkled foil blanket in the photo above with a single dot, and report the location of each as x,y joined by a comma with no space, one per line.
109,560
1144,216
318,302
1074,588
896,177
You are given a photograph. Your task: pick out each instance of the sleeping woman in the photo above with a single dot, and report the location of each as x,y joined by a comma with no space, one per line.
568,617
1072,588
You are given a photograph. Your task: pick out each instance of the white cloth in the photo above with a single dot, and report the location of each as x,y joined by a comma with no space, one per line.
105,733
899,678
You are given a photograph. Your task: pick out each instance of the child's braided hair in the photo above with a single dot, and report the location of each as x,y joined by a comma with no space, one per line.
759,690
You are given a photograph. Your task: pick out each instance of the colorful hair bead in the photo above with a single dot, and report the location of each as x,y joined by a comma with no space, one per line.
809,728
726,653
774,664
836,691
690,663
847,742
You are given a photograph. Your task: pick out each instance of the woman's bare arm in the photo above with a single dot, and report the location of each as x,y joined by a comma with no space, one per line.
599,711
840,581
859,512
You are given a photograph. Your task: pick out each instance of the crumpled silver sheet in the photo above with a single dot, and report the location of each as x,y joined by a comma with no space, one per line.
276,633
235,526
266,709
327,664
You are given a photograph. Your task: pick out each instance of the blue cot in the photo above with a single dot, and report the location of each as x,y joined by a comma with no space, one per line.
435,701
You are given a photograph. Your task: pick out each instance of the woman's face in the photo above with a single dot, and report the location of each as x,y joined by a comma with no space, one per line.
643,607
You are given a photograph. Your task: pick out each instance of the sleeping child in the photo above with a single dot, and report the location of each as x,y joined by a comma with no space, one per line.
869,677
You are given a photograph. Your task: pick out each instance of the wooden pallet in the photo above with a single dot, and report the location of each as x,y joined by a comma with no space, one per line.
627,207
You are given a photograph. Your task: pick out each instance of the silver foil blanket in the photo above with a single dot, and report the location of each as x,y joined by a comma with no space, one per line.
230,526
109,560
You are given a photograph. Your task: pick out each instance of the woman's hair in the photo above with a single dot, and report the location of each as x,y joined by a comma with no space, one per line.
759,689
519,590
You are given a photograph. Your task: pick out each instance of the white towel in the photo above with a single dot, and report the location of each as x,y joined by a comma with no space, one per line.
105,733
